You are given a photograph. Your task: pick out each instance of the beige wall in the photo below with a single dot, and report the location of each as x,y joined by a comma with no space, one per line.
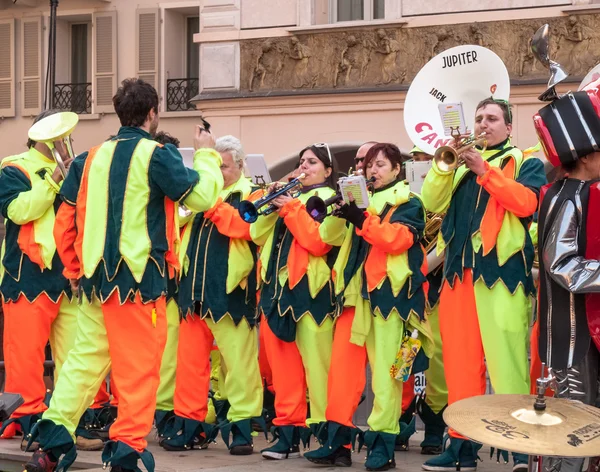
276,126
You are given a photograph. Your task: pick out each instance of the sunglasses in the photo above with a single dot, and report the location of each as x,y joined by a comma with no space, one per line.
359,160
507,105
326,146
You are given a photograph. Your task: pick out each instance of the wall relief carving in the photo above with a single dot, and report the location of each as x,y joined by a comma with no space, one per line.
384,57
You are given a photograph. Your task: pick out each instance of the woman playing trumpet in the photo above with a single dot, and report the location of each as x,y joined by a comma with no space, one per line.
297,301
379,272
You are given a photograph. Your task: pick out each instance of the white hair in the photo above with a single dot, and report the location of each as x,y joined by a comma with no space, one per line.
232,145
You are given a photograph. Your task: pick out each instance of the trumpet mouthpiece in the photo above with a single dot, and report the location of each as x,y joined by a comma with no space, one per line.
301,176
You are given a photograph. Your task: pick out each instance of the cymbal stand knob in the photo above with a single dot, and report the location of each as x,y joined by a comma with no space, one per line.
542,385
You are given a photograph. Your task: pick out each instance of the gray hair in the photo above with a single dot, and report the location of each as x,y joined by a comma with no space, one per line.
232,145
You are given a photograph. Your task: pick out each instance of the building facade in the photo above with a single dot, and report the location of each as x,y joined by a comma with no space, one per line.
279,74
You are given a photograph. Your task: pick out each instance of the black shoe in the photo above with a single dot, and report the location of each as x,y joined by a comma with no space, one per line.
401,446
118,468
431,450
241,450
341,457
274,453
41,462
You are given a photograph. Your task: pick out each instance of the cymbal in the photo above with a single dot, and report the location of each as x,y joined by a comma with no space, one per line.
565,428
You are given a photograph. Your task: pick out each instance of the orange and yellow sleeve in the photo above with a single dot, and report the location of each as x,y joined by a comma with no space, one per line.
65,234
304,228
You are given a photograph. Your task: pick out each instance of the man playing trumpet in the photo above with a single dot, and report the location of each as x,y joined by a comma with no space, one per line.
484,311
37,300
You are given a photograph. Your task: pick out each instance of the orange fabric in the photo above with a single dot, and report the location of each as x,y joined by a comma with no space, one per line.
11,431
136,346
26,332
289,380
171,257
82,204
462,347
28,246
385,238
263,362
228,221
307,240
104,396
192,380
65,234
408,393
506,194
347,372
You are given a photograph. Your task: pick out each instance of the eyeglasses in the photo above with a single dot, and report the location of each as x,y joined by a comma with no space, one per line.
326,146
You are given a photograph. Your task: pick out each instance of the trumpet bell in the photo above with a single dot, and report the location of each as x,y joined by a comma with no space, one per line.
248,211
446,158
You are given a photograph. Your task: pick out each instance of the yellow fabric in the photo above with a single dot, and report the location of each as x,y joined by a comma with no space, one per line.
382,346
437,192
332,232
134,243
204,195
84,370
94,231
238,346
533,233
37,204
168,366
240,262
315,344
436,390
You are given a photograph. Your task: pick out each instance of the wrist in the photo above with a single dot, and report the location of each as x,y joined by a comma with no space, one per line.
54,185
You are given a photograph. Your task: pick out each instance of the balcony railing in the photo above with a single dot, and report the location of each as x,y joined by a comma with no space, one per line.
73,97
179,93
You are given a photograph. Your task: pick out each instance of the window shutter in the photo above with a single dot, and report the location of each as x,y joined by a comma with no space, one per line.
7,68
31,66
104,64
147,42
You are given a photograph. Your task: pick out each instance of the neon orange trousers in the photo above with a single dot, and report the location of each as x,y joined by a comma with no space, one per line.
478,323
128,338
27,329
348,374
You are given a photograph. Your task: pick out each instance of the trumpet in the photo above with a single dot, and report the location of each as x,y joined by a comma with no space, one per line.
447,158
55,128
184,211
317,208
250,211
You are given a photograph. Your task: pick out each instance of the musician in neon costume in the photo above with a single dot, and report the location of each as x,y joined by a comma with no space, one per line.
569,250
36,297
484,306
381,287
117,234
431,407
217,299
297,301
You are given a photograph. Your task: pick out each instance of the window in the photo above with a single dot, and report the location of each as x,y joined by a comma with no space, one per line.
356,10
80,98
179,66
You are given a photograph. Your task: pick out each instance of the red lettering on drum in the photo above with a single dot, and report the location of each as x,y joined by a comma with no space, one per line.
441,142
429,138
420,127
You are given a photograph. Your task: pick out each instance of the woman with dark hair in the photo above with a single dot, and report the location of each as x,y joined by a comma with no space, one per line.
380,280
297,301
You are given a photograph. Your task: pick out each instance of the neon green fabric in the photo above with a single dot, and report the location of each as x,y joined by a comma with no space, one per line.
533,233
94,230
36,205
315,344
332,232
205,194
84,370
382,344
240,261
439,187
62,333
168,367
239,349
436,390
134,243
504,326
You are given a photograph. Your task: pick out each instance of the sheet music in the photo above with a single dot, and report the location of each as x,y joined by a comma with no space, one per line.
415,172
356,185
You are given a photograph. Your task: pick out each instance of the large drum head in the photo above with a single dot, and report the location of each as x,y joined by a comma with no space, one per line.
592,76
463,74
